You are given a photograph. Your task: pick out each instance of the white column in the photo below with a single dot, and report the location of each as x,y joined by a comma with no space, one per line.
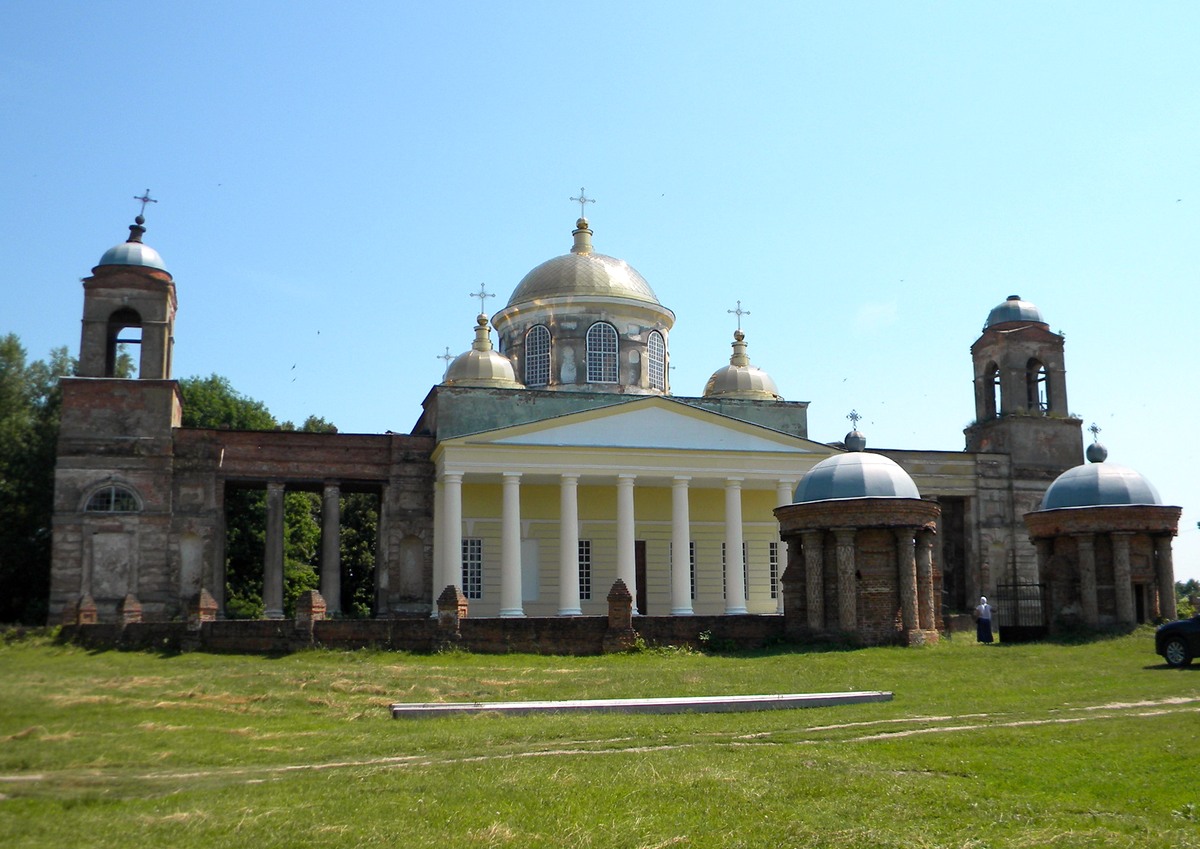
273,555
626,556
568,548
451,557
735,564
510,547
681,546
783,495
331,549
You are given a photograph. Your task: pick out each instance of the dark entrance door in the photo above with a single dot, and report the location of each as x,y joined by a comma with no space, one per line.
639,571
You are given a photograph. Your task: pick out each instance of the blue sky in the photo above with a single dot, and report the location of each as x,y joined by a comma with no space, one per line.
869,179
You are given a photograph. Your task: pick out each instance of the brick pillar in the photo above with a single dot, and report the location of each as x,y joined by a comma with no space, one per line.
926,614
1165,571
814,578
1123,578
1088,604
906,573
202,607
452,608
620,635
273,556
847,586
129,610
310,607
331,548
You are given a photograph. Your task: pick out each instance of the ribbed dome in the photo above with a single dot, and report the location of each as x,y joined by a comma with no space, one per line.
855,475
1099,485
583,273
133,252
482,365
740,379
1014,309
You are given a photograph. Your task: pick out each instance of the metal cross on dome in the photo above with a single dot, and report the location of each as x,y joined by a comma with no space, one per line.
446,356
739,312
145,199
581,200
1095,431
854,418
482,294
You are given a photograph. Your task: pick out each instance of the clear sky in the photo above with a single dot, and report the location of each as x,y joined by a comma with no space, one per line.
868,179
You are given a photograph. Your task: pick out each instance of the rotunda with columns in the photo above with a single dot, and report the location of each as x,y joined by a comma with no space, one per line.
1103,542
860,552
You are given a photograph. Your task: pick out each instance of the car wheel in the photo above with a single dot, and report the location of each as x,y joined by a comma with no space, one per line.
1176,653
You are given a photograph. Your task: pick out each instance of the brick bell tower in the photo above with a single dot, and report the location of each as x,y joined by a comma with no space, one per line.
1024,435
1021,392
113,476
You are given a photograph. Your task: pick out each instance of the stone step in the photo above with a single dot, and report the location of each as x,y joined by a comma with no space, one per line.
682,704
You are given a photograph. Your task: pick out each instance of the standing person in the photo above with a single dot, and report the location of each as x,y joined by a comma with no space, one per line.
983,621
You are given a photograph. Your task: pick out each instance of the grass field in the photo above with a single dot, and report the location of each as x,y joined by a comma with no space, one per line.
1094,744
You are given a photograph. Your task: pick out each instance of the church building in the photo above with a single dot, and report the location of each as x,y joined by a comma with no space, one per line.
544,467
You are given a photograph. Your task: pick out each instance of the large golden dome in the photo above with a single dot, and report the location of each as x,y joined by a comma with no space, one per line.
583,273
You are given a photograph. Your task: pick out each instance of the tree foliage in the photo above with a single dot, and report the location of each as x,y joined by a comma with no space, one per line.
30,403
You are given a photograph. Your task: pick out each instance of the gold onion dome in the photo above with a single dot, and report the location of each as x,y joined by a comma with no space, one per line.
583,273
482,365
739,379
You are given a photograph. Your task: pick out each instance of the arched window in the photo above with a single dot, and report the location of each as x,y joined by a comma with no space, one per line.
602,353
993,392
537,356
124,349
113,499
656,351
1037,387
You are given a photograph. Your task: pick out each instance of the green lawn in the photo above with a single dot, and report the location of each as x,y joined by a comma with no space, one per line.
983,746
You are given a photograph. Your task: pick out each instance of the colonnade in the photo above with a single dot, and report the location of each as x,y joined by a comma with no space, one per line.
1124,602
448,537
331,550
914,578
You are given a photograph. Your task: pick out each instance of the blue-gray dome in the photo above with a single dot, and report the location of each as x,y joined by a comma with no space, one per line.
1014,309
132,253
1099,485
855,475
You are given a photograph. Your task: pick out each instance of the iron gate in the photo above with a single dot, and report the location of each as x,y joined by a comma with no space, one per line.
1020,612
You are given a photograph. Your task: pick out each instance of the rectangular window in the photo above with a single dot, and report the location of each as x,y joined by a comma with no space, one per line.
472,567
585,570
773,555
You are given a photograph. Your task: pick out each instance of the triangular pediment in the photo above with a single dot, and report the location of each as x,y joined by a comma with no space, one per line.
648,423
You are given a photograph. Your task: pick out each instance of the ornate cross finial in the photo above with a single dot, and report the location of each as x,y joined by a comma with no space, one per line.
482,294
581,200
145,199
854,418
739,312
1095,431
446,356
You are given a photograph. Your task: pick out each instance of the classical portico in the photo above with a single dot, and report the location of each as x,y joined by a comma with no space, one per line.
647,491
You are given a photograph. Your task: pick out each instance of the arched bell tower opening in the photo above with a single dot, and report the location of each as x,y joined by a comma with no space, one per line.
124,339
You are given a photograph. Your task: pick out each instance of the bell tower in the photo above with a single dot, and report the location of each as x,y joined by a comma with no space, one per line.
1021,392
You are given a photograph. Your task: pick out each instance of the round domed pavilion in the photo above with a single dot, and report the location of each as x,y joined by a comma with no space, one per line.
1103,540
586,322
860,548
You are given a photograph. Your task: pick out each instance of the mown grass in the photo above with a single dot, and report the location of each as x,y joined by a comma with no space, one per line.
1096,744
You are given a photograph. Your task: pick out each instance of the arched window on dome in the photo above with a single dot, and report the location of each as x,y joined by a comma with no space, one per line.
602,353
123,352
113,498
1037,387
656,353
537,356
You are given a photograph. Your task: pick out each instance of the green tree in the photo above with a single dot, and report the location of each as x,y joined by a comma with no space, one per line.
30,405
